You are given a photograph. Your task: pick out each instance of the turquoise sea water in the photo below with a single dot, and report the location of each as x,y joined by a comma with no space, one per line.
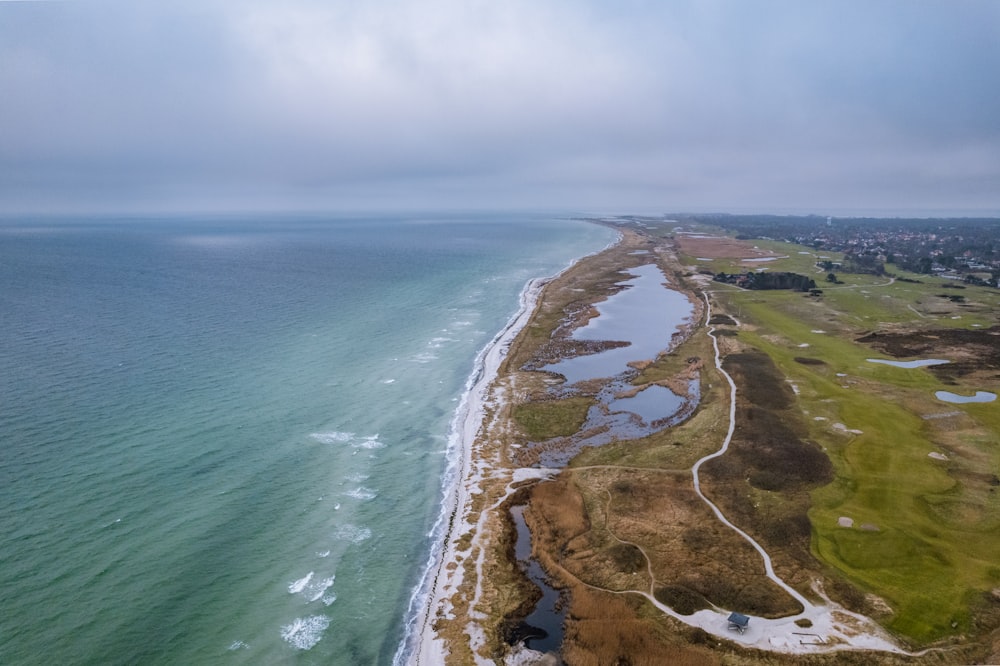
222,439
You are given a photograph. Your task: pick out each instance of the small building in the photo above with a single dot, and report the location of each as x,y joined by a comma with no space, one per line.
739,622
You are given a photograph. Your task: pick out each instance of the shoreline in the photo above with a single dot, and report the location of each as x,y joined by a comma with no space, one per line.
421,643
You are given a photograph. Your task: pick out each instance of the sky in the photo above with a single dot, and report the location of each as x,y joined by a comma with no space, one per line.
622,106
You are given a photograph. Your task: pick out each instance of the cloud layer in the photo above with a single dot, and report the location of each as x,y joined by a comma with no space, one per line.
630,105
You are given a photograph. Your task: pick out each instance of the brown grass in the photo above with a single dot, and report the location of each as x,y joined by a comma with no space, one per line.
628,507
604,629
604,535
720,248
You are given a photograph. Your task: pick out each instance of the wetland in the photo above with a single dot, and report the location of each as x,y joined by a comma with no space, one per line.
600,452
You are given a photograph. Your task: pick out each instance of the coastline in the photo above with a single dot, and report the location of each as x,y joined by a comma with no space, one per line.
421,643
450,598
471,600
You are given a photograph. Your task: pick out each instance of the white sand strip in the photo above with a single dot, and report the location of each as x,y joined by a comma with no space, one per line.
465,473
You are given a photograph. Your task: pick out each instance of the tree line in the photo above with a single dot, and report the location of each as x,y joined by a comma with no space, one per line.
768,280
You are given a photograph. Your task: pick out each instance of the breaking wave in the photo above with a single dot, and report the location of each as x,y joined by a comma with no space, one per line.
299,585
362,493
304,632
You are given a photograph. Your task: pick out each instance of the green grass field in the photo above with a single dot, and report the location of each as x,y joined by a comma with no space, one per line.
931,535
552,418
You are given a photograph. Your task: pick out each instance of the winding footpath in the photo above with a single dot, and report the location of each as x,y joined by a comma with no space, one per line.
768,567
830,626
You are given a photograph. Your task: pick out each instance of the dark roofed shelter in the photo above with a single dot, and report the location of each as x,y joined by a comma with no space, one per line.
738,621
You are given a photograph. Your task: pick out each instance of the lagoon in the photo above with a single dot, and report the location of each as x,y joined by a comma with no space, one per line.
646,314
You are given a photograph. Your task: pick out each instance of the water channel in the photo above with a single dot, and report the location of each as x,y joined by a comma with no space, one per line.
542,630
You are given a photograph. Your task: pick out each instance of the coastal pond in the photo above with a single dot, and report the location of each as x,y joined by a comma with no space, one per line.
980,396
920,363
649,411
645,314
651,404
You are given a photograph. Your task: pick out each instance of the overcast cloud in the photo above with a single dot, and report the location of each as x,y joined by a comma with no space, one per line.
620,105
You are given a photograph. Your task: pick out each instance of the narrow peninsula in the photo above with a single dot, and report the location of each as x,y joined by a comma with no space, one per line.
680,451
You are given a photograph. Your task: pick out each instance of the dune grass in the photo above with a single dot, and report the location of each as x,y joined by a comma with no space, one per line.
552,418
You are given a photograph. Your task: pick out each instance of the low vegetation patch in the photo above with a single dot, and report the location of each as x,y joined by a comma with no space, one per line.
627,557
546,419
767,281
682,599
978,349
721,320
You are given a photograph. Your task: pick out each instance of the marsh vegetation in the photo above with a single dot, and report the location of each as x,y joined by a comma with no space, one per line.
821,435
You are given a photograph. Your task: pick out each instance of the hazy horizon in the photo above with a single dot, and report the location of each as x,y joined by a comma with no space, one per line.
447,105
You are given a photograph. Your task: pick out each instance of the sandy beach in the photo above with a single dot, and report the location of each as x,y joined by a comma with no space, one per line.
467,470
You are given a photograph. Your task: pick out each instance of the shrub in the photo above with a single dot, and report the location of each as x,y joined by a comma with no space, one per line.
682,599
627,558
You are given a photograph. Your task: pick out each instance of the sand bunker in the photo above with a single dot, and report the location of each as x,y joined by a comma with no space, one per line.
840,427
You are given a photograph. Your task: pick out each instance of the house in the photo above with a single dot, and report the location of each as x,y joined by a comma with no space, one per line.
738,621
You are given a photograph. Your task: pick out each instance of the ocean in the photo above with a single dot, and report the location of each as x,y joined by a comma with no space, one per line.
223,438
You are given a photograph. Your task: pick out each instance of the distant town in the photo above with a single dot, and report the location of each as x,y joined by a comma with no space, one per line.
966,249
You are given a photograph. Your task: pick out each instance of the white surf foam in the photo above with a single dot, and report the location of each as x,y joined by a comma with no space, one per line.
342,437
300,584
332,437
425,357
362,493
371,442
319,588
352,533
304,632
